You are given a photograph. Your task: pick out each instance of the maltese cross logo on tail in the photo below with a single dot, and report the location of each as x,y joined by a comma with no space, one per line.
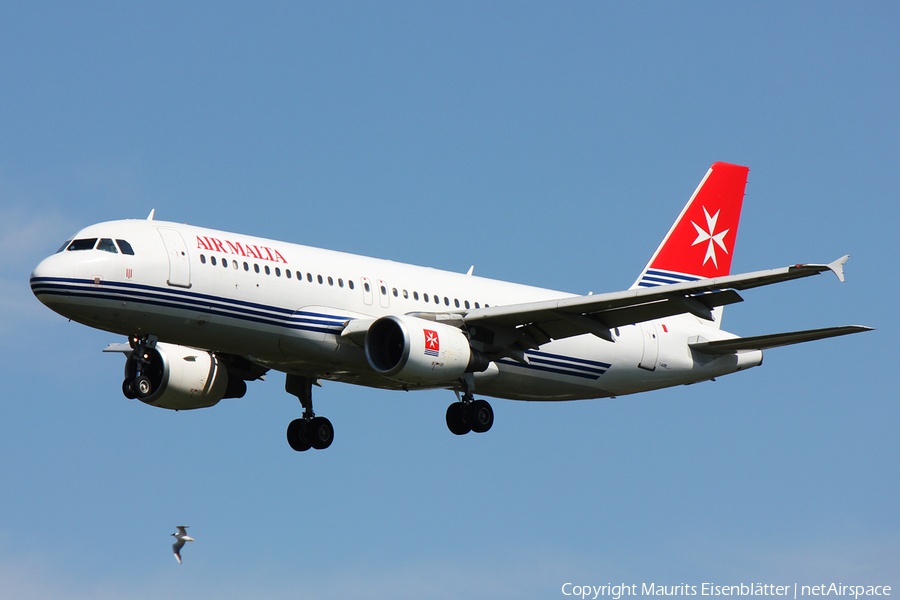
701,242
709,234
432,343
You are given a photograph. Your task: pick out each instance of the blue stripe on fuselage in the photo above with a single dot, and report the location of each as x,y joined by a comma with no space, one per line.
181,299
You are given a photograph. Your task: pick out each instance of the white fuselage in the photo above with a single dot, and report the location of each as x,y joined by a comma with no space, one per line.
284,306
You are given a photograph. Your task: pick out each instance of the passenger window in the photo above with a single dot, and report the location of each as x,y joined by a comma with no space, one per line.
287,272
340,282
456,302
107,245
446,301
234,265
246,267
125,247
202,259
437,300
350,283
256,267
396,293
319,279
467,304
476,305
309,277
82,245
277,272
425,297
224,263
415,295
268,270
405,295
330,280
212,259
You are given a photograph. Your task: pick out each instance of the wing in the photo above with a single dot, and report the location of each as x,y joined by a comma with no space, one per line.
177,546
531,324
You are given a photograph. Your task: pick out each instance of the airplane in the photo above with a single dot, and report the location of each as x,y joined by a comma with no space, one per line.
206,311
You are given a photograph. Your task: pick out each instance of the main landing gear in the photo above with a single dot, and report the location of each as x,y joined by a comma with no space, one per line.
309,431
142,375
469,414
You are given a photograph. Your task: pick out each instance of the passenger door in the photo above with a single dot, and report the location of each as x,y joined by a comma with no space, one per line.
179,261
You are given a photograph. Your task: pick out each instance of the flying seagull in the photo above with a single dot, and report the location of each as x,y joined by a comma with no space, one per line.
180,538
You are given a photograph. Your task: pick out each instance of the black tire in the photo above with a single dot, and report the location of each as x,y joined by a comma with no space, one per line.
456,419
320,433
128,389
480,416
296,435
143,387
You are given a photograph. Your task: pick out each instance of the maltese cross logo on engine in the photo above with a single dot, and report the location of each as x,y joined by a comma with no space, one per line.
432,343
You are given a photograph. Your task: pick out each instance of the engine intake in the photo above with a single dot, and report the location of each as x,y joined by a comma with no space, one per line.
413,350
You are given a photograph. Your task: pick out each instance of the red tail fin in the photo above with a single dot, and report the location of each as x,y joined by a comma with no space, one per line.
701,242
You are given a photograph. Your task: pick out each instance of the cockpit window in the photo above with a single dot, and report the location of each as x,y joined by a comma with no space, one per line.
82,244
125,247
64,246
107,245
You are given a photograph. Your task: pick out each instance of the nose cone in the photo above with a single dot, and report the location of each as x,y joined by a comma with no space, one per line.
49,276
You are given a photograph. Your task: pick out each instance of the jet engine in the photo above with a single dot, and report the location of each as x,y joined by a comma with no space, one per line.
180,378
413,350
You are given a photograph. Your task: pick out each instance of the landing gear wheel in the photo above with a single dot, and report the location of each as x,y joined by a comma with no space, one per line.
143,387
320,433
297,435
309,431
128,389
479,416
456,419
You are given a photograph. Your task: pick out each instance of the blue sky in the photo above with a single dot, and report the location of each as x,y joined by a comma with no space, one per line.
549,144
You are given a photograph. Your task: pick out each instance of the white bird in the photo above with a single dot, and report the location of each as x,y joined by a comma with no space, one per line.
180,538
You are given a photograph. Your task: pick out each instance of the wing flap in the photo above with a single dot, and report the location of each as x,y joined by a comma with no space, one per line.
764,342
699,306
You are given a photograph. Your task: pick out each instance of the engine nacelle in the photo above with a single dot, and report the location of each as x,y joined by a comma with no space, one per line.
413,350
183,378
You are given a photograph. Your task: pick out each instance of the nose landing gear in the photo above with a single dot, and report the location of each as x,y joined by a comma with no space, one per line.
142,375
309,431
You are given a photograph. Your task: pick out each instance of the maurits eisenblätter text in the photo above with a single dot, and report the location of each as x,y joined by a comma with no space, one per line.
712,589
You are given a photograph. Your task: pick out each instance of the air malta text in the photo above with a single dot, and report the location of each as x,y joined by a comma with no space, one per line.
246,250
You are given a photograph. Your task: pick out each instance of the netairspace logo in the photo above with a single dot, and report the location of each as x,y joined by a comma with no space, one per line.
616,592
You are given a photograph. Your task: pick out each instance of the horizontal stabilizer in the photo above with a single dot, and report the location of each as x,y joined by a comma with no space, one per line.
763,342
